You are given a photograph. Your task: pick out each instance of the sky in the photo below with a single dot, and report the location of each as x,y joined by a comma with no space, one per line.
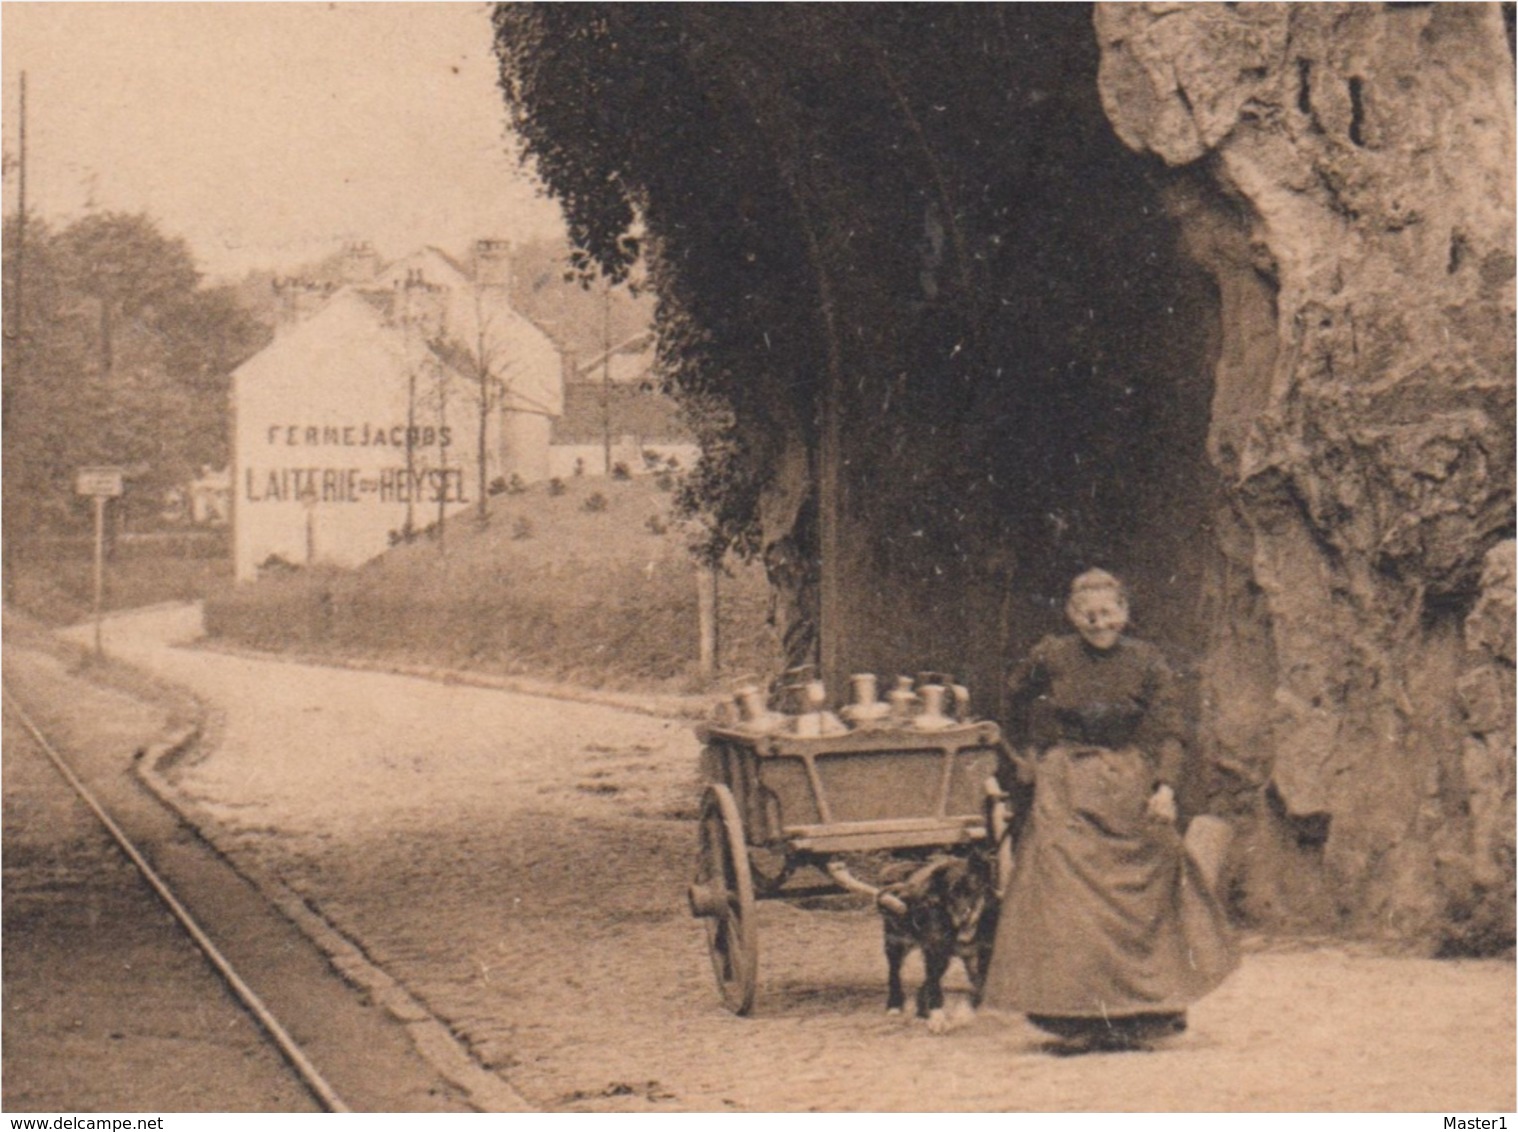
268,134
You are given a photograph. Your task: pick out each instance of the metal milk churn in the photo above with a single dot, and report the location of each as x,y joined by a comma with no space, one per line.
903,701
932,717
865,706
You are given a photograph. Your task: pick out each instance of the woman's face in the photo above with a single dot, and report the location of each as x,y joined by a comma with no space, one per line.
1099,616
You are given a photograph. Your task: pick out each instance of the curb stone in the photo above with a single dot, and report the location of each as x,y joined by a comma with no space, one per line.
688,708
432,1039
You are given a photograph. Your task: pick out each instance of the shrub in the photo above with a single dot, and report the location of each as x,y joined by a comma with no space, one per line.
651,459
515,486
556,486
595,501
655,525
278,564
497,486
664,480
521,528
620,471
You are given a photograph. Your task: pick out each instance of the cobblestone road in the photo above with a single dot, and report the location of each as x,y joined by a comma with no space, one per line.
519,863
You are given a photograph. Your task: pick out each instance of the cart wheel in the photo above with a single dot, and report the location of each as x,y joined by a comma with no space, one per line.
723,895
769,866
770,869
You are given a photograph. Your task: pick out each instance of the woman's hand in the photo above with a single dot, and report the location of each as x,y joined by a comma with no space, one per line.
1162,803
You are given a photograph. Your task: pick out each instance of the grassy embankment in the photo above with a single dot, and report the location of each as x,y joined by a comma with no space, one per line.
54,577
550,587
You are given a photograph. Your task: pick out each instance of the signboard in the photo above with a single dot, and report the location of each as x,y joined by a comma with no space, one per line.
103,483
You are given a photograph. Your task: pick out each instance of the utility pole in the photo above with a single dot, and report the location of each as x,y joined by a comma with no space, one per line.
606,371
308,501
487,405
18,342
442,463
20,212
406,327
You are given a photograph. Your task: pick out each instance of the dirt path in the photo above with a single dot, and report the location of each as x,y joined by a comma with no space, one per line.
519,863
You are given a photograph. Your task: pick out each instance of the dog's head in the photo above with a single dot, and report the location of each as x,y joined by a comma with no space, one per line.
960,886
967,889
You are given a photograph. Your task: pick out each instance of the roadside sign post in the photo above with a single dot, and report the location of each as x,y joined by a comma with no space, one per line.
99,484
706,616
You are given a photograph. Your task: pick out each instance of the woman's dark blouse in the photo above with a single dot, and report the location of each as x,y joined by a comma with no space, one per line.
1068,692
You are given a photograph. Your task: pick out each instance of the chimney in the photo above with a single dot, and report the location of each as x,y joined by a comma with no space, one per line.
360,262
297,297
422,307
492,263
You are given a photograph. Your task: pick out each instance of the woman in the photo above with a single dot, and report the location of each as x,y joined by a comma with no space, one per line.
1108,930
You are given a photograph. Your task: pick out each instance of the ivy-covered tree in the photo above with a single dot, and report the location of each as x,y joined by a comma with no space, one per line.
581,87
879,236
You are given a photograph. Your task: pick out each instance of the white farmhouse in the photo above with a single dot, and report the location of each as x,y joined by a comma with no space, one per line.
363,418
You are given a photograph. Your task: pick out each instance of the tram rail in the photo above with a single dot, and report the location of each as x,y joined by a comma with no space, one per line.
296,1057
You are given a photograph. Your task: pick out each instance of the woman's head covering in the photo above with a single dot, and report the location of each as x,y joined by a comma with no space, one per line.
1098,580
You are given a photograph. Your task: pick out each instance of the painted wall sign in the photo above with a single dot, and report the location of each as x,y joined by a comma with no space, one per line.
354,485
360,436
412,482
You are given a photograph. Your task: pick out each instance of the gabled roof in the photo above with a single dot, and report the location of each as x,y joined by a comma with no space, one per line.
522,357
436,266
626,362
348,324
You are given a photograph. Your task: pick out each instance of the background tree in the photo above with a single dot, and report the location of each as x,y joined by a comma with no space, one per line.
122,357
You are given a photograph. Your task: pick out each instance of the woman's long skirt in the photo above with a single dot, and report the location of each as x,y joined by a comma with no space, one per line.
1106,916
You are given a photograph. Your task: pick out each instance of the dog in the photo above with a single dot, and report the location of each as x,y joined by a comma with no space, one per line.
945,907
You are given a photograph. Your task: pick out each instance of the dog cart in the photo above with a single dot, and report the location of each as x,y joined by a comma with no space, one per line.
792,794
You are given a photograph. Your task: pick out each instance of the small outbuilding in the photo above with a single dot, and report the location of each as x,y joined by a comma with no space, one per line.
615,412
